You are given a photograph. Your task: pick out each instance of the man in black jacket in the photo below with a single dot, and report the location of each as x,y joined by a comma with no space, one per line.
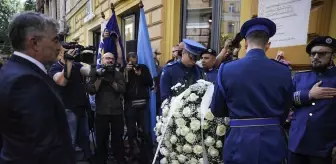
108,86
138,86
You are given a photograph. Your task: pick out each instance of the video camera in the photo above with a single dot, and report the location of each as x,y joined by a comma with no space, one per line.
83,54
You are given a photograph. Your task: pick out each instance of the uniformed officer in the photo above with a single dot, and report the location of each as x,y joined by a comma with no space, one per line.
208,64
312,135
256,93
184,71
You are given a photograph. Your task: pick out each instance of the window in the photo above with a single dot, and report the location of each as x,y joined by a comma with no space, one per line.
231,8
230,20
197,21
230,27
128,28
89,7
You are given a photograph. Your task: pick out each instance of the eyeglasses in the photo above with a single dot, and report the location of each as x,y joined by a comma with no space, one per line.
108,58
319,54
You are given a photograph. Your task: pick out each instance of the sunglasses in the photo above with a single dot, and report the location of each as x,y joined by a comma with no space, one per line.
319,54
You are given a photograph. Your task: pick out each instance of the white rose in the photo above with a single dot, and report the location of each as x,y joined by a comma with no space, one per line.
178,104
173,139
165,111
209,116
209,141
158,139
179,148
173,155
158,127
184,131
181,158
201,161
195,125
219,144
187,93
187,112
198,149
205,125
220,130
168,144
187,148
193,97
164,161
180,122
177,114
193,160
164,151
190,137
175,162
178,131
213,152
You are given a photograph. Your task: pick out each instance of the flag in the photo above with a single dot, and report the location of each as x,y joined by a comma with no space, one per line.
101,44
107,44
144,51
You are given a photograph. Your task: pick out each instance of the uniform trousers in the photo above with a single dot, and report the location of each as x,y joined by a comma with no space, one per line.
295,158
102,124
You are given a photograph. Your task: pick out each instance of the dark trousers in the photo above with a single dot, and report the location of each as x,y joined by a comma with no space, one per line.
102,123
295,158
0,142
138,127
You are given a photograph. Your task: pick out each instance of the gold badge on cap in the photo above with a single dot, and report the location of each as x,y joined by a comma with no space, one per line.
329,40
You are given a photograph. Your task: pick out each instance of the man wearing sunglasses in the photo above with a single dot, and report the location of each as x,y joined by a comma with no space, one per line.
312,135
184,71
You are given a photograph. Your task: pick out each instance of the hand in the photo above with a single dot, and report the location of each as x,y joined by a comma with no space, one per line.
227,44
318,92
129,67
236,51
137,72
115,36
333,155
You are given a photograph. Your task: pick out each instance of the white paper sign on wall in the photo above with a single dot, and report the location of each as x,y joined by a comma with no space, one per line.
291,18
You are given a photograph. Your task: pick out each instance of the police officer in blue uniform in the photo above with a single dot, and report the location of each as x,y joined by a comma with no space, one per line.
184,71
256,93
208,64
312,135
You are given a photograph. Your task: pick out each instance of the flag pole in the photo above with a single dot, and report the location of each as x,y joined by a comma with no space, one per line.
112,7
141,4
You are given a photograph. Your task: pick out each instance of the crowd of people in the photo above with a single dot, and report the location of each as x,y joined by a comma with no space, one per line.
46,114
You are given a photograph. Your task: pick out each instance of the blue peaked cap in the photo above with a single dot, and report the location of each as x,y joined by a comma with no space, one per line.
193,47
258,24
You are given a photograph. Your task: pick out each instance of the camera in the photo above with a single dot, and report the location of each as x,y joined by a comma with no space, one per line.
106,68
136,66
236,41
83,54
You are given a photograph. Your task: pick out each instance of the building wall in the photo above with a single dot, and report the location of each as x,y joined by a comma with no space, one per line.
156,12
322,21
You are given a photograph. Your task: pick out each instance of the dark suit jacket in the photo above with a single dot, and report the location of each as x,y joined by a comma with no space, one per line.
32,117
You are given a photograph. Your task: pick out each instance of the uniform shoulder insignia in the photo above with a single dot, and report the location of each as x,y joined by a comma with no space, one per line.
171,63
227,61
303,71
284,64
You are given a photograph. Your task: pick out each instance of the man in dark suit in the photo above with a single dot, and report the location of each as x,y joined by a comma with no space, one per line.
32,116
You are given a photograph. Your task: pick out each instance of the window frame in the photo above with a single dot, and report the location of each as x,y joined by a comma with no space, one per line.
215,25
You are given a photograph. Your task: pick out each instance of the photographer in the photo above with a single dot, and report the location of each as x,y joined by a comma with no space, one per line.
108,85
68,75
230,51
136,107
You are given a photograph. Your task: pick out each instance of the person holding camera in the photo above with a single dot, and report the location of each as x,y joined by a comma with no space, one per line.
137,95
68,75
108,85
